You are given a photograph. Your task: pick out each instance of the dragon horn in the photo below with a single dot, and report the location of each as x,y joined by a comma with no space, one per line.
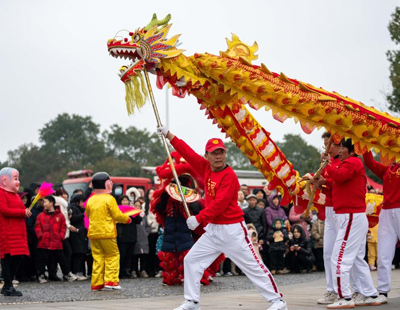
155,22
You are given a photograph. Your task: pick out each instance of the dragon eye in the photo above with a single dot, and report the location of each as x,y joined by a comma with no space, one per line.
136,38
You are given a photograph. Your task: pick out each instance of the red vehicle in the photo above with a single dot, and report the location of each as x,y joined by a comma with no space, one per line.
81,179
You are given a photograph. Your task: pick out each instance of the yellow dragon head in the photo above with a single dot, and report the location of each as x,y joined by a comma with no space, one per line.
144,47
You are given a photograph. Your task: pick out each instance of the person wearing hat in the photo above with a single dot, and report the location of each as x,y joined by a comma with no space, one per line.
226,231
330,227
103,213
348,183
255,215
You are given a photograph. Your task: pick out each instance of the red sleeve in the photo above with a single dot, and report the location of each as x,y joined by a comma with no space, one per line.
10,211
345,171
223,197
195,160
377,168
63,228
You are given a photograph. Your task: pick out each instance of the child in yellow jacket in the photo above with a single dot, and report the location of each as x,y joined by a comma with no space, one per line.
372,240
103,213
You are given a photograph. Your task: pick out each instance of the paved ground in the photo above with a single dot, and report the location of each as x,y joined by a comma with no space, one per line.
298,295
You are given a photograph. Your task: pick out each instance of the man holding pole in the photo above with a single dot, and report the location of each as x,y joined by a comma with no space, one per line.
226,231
330,229
347,180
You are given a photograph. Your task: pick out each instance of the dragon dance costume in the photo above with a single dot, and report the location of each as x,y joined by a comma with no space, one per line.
169,210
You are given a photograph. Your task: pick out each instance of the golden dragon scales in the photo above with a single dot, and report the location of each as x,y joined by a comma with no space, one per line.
226,84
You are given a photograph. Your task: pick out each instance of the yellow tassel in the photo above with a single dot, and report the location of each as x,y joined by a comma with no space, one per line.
136,93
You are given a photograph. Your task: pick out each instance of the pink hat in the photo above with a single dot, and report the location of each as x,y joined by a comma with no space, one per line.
214,144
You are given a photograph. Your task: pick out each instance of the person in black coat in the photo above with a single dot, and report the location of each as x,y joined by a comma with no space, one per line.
30,263
255,216
277,238
300,254
126,239
78,236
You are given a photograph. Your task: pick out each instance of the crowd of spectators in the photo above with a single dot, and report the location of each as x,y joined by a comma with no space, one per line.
58,244
286,241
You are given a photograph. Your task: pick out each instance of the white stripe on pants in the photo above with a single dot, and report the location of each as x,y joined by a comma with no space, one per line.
330,233
388,233
348,254
234,241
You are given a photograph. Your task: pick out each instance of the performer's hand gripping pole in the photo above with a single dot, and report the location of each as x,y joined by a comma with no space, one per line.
317,174
159,124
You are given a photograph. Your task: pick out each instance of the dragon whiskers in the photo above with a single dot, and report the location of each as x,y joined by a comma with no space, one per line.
136,93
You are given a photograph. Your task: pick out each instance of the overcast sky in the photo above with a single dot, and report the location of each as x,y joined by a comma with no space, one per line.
54,59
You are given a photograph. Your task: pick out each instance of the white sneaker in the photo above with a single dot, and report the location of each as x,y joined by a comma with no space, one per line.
42,279
278,305
358,298
159,274
80,277
382,299
70,277
329,298
369,301
188,305
342,304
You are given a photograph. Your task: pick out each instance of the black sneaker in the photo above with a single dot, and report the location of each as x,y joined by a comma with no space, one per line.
11,291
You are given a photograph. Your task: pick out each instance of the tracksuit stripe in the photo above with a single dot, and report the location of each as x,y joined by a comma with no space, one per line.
269,274
345,238
346,235
245,233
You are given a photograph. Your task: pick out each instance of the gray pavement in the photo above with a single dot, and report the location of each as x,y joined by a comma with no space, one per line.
297,295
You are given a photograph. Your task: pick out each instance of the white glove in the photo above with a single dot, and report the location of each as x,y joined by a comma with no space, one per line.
192,222
162,130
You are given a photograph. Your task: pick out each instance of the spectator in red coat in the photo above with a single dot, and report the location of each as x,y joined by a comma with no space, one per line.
50,228
13,239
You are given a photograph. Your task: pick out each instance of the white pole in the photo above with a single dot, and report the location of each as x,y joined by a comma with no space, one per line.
167,105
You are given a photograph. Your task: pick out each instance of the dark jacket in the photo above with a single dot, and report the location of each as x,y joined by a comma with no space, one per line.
128,232
257,218
280,245
177,235
305,245
78,240
30,222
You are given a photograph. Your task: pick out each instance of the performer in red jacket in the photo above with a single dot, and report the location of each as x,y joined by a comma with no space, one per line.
389,221
13,238
348,194
226,231
330,227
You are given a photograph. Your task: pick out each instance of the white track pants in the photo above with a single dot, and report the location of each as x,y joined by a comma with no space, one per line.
388,233
234,241
348,255
330,233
